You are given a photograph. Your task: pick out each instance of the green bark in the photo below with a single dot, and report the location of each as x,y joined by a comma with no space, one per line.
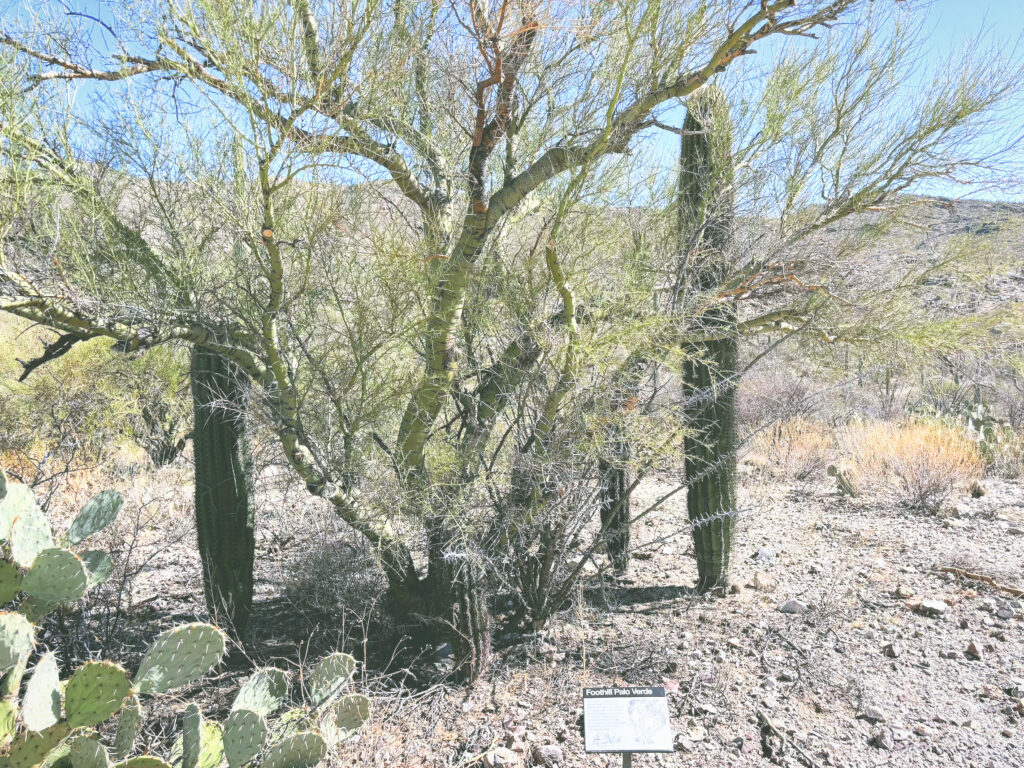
711,369
223,488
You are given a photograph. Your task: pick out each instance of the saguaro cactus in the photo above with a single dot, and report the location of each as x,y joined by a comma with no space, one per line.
706,212
224,502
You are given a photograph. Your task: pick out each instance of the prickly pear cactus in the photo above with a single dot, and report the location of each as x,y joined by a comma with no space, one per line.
99,566
57,576
128,726
18,501
302,750
96,515
329,677
245,735
40,708
263,692
10,581
87,752
95,692
351,712
17,638
179,656
143,761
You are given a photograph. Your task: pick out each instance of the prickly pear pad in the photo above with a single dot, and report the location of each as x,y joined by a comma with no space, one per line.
263,692
303,750
87,752
245,734
191,736
30,535
179,656
143,761
31,749
99,565
18,502
330,676
10,581
95,692
40,707
17,637
57,575
351,712
101,510
128,726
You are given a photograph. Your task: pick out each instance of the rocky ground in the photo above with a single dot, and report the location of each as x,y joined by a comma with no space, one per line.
846,638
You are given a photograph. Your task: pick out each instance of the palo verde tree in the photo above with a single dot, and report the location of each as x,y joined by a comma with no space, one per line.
403,263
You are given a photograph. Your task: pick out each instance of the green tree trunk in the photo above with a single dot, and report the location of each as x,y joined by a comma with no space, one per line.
710,372
224,499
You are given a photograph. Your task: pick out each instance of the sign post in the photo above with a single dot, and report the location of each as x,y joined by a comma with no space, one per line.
627,720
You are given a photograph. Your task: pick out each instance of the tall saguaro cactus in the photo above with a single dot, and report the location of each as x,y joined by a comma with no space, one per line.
706,214
224,499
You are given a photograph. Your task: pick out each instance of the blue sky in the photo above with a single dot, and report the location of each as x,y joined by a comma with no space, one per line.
953,25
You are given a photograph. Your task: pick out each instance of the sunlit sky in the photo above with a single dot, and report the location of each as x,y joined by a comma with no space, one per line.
953,25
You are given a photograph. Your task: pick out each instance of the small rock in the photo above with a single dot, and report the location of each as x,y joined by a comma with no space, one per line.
1014,530
973,651
548,755
682,744
990,691
734,642
788,676
873,714
696,733
903,592
764,583
923,731
793,606
892,650
1015,688
1006,613
500,757
932,607
765,555
704,709
882,739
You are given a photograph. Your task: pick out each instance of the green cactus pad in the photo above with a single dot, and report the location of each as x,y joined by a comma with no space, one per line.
263,692
129,723
179,656
98,564
351,712
303,750
143,761
95,692
245,734
17,502
40,707
31,749
10,581
87,752
30,535
191,736
207,748
57,575
330,676
16,639
96,515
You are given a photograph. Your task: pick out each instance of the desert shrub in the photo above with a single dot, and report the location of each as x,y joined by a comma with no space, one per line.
799,447
921,463
76,409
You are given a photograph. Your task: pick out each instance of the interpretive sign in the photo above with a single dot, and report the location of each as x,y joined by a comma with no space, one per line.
630,719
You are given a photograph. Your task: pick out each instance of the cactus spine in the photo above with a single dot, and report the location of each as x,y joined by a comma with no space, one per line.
224,502
706,213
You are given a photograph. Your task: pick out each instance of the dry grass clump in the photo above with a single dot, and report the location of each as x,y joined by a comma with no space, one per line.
798,447
920,463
